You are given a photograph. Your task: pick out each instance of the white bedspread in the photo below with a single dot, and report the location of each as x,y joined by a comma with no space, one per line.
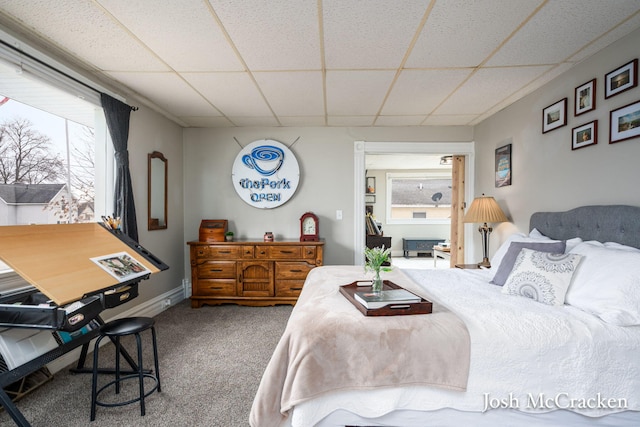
524,355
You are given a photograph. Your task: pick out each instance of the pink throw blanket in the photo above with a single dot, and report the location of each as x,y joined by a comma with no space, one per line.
328,345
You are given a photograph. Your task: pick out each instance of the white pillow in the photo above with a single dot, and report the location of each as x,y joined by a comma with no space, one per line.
542,276
607,283
620,246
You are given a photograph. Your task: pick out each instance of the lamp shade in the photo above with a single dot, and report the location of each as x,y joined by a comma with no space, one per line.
485,209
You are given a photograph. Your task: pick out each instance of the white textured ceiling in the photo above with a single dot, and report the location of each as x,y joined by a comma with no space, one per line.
325,62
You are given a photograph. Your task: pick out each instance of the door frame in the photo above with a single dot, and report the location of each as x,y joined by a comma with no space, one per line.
362,148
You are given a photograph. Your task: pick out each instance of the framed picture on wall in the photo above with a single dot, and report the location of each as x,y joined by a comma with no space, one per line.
371,185
554,116
621,79
624,123
585,99
585,135
503,166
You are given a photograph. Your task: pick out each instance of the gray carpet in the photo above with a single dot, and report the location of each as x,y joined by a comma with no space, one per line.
211,362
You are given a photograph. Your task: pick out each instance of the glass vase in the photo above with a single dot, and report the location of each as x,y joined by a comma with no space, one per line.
376,284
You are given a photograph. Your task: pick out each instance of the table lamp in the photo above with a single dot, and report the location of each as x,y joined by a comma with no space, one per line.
485,209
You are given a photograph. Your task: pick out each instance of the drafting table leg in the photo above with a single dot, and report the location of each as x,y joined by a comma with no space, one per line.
12,410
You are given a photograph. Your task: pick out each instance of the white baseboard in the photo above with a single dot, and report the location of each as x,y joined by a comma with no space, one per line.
150,308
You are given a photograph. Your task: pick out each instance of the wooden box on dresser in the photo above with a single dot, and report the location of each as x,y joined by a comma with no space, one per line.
251,273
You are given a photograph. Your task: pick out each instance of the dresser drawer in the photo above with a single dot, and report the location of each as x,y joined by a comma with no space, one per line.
293,270
215,287
217,270
284,252
218,252
309,252
289,287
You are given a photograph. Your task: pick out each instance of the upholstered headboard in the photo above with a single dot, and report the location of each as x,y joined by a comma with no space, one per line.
610,223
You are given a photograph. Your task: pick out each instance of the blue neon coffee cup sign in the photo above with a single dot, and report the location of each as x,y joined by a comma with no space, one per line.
265,174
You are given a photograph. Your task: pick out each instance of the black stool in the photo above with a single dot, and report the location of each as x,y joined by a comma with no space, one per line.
114,330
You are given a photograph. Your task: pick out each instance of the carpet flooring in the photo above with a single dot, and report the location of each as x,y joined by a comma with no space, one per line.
211,363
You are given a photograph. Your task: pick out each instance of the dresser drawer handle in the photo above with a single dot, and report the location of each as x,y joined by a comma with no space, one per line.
296,289
296,271
216,288
214,270
286,252
225,252
262,252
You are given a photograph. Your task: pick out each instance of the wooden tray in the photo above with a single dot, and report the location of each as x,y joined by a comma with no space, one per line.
422,307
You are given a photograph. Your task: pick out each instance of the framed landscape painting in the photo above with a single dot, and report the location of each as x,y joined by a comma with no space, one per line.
554,116
621,79
624,123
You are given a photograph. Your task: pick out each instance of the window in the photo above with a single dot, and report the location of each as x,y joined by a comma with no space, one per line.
419,197
65,177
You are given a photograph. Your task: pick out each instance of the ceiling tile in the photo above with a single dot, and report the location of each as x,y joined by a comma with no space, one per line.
200,45
169,92
207,122
379,32
254,121
234,94
479,28
356,92
399,120
488,87
560,29
448,120
273,34
294,93
615,34
420,91
91,35
350,121
302,121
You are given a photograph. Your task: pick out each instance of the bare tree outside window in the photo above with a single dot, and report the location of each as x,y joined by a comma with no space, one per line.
38,173
26,156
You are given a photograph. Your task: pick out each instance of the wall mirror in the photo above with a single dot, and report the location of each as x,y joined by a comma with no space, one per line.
157,191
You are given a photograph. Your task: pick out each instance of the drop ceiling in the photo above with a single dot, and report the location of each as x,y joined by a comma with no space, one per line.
221,63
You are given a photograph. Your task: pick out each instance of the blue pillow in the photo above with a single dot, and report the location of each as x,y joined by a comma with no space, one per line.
512,253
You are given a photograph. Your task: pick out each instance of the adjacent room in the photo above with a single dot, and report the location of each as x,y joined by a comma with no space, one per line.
319,213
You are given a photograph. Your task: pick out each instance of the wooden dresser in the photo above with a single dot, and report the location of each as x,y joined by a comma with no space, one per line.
251,273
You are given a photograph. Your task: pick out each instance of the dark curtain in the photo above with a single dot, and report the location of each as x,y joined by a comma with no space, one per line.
117,115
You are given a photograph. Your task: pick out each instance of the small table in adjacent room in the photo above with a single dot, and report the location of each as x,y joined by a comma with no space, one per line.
441,252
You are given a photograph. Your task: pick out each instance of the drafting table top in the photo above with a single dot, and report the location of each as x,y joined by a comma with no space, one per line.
56,259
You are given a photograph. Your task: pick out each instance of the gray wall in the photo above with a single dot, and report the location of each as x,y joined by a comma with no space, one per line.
326,159
547,174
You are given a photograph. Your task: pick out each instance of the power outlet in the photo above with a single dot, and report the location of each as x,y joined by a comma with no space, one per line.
166,303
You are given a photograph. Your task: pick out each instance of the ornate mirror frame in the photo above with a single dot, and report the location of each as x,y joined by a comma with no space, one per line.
157,191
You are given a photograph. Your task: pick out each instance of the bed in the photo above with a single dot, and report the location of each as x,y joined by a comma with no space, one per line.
497,349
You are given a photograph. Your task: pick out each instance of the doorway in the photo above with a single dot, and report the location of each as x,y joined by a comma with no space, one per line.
362,148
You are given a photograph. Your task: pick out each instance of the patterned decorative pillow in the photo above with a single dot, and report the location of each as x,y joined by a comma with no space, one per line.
542,276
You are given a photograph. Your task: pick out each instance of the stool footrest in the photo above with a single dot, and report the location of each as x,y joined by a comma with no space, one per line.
128,402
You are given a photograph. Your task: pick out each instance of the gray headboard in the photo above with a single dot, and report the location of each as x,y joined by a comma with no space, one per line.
610,223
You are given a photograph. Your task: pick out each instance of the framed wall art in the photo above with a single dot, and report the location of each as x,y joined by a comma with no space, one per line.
624,123
621,79
503,166
554,116
585,99
584,135
371,185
